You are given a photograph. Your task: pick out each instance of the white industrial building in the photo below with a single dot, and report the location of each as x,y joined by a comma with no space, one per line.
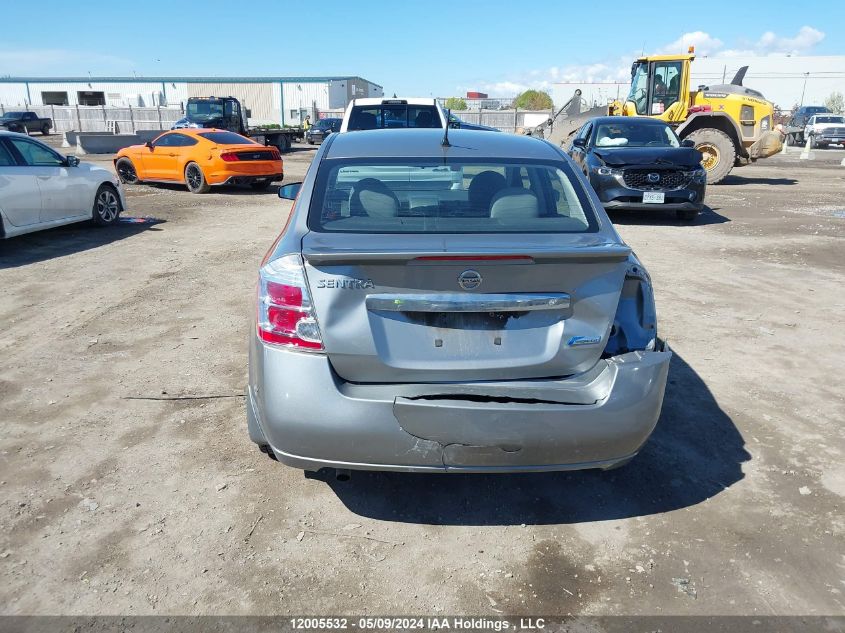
785,80
283,100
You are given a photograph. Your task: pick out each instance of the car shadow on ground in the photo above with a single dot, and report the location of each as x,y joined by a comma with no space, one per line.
226,190
69,239
695,453
734,179
708,215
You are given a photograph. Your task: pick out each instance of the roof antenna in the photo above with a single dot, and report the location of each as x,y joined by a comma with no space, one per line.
445,142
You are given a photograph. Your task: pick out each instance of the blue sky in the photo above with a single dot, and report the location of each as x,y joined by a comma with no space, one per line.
410,47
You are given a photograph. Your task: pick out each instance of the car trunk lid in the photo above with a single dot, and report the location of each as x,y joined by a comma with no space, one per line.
463,307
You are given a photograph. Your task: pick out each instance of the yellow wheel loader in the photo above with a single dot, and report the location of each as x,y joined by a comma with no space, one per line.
729,123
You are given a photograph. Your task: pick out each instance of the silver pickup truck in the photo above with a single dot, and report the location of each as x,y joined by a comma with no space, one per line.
824,130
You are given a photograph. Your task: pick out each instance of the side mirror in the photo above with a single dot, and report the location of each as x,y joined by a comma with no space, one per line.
148,144
455,125
289,192
71,161
579,142
688,142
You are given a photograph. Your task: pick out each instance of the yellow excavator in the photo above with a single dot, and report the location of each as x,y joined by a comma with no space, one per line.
729,123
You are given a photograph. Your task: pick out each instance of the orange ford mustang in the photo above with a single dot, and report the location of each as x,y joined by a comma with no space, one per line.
200,158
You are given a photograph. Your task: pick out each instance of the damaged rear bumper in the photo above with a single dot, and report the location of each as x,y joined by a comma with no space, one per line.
313,419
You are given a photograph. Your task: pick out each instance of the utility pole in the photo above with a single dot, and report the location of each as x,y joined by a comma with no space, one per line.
807,74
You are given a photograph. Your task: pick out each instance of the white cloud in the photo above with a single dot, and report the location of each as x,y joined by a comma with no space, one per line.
806,38
618,71
704,43
56,61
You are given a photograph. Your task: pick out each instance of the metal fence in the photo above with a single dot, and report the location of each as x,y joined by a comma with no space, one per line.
504,120
128,120
104,118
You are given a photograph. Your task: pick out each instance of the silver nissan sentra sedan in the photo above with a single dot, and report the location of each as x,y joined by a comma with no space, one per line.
457,304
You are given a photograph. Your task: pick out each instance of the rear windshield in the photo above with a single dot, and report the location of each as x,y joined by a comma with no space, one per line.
363,196
393,116
226,138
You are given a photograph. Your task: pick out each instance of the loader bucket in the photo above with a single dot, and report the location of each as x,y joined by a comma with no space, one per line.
560,128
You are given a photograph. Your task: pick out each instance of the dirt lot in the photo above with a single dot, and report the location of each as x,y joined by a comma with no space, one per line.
111,505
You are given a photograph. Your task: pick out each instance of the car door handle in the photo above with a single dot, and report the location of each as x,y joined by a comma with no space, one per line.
43,177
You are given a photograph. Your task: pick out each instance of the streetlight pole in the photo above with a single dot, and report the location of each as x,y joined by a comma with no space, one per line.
807,74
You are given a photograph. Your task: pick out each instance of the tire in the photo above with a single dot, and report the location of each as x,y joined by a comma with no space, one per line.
265,448
107,207
719,153
45,130
260,185
195,179
126,171
686,215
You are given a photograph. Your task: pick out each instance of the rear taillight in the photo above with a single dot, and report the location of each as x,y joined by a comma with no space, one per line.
230,157
285,314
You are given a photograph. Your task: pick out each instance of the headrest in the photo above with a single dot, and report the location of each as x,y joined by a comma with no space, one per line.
373,198
514,202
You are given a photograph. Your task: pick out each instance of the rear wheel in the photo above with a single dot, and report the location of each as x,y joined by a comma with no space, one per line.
45,130
126,171
718,153
107,206
195,179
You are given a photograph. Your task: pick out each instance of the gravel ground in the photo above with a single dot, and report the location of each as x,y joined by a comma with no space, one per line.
114,505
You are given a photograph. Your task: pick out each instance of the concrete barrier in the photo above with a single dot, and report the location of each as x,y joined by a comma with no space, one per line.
94,143
148,135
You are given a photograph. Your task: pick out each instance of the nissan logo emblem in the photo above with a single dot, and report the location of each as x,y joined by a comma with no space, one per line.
469,279
652,177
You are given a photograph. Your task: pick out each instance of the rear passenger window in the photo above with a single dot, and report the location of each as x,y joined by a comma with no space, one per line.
6,159
227,138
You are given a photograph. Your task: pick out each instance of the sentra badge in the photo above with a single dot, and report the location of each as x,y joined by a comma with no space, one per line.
345,283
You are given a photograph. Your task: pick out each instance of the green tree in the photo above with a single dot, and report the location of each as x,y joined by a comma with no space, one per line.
533,100
456,103
835,103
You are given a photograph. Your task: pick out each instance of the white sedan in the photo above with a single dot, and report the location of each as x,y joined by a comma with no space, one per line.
40,188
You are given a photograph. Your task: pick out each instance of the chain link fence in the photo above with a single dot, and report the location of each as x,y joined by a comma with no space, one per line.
505,120
118,120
